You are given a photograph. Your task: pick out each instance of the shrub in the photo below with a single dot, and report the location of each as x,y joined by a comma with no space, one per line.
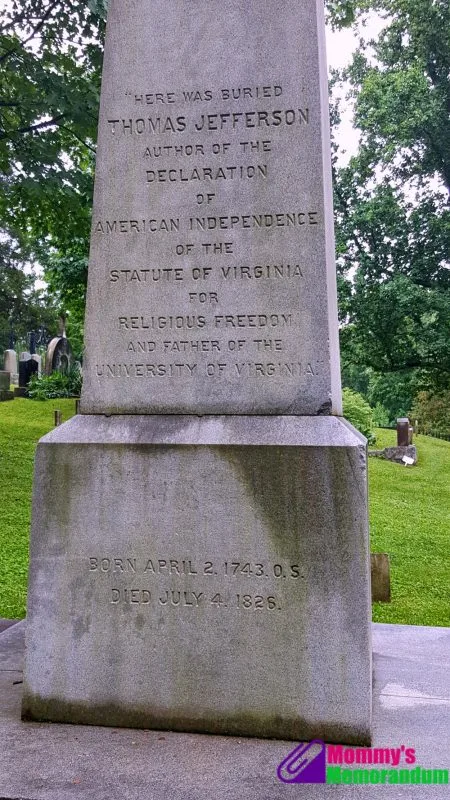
58,384
359,413
432,412
380,416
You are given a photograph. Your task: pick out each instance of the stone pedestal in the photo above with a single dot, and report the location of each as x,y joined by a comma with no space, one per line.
202,574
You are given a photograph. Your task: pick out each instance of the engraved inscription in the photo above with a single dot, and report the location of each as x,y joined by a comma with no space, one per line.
222,584
226,251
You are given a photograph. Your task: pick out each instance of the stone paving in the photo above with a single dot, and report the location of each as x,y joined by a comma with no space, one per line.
67,762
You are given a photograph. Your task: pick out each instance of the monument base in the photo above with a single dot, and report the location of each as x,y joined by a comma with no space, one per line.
205,574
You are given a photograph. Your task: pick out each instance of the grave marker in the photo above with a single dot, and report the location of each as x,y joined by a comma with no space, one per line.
202,563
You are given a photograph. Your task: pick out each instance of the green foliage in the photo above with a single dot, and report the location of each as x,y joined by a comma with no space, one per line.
20,302
58,384
380,416
432,412
395,391
50,55
391,200
358,412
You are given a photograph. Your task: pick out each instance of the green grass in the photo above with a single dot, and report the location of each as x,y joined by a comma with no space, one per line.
22,423
409,516
409,520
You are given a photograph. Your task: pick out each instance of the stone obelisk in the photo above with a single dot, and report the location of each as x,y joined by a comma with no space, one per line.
200,556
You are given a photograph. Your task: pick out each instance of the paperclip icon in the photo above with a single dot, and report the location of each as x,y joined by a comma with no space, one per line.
304,764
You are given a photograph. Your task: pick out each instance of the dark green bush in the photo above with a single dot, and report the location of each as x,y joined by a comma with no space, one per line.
58,384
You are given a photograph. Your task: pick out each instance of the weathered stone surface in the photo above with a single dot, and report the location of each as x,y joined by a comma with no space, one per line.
10,362
59,356
5,380
211,278
398,453
202,574
6,395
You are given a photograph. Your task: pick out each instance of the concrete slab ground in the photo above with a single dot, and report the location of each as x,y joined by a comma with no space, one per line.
68,762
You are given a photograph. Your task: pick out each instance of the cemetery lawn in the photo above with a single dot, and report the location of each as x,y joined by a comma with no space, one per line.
22,423
409,517
409,520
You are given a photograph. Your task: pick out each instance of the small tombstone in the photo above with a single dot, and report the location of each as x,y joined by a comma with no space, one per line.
5,379
381,578
10,362
5,393
404,432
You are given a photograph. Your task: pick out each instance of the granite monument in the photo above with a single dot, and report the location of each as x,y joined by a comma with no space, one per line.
199,555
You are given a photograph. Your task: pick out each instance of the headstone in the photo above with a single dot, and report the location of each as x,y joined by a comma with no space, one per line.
404,432
10,363
202,562
5,381
27,368
59,356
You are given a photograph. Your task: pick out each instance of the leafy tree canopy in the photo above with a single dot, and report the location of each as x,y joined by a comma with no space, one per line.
391,200
50,63
23,308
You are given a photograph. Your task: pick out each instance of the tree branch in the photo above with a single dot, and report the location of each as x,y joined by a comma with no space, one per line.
31,128
69,130
33,33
